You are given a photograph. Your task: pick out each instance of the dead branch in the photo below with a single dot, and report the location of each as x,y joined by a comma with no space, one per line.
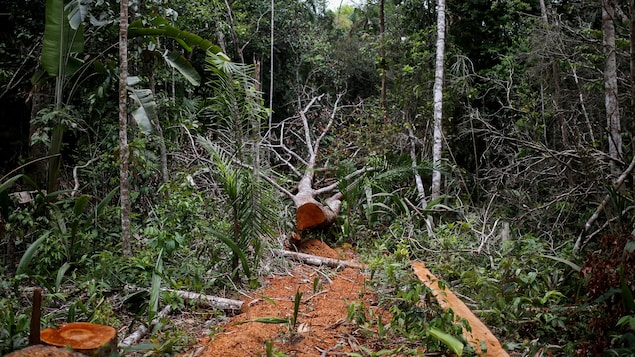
75,176
616,185
141,331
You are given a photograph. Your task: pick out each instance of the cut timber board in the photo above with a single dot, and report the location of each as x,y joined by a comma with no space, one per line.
480,334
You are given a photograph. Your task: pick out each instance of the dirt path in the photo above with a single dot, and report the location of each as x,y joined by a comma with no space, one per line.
322,328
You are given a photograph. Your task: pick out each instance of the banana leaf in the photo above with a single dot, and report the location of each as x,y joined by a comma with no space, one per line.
178,62
61,40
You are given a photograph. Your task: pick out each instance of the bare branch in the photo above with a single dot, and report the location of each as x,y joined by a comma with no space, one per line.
305,122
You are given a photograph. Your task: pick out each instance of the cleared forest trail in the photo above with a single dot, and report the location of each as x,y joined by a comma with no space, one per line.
323,326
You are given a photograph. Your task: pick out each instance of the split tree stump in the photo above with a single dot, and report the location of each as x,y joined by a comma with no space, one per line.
84,337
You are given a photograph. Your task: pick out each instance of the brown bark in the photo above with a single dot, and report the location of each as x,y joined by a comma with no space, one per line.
84,337
610,86
36,314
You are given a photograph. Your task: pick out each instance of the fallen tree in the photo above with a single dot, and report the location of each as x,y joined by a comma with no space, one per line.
310,211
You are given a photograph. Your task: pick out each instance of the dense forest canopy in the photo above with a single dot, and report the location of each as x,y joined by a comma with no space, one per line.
240,113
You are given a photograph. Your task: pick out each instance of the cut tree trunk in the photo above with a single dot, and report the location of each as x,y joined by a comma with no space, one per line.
84,337
310,213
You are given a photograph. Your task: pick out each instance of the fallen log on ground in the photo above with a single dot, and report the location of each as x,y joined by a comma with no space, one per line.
315,260
480,338
142,330
202,300
209,301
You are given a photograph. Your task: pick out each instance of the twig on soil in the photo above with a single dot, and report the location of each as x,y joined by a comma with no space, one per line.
328,352
316,294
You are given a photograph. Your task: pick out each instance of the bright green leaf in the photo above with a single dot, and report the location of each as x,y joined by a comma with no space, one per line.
452,342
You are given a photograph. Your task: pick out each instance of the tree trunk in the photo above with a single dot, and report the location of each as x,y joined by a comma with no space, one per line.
418,181
382,55
438,101
271,38
632,65
310,213
124,185
610,86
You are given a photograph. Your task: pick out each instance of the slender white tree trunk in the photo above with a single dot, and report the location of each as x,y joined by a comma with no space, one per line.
382,54
124,189
610,86
438,101
271,67
632,70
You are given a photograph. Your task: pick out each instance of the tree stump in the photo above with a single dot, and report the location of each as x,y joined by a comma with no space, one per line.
44,351
87,338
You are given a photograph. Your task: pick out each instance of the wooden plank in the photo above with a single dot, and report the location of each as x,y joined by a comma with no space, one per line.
480,334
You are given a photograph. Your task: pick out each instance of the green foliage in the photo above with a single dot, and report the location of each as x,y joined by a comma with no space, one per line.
452,342
63,38
290,322
161,27
249,209
414,315
14,326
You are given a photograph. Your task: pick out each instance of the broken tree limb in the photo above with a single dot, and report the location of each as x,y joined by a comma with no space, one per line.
203,300
142,330
318,261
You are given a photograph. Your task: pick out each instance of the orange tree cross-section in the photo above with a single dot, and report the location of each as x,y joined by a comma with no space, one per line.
84,337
